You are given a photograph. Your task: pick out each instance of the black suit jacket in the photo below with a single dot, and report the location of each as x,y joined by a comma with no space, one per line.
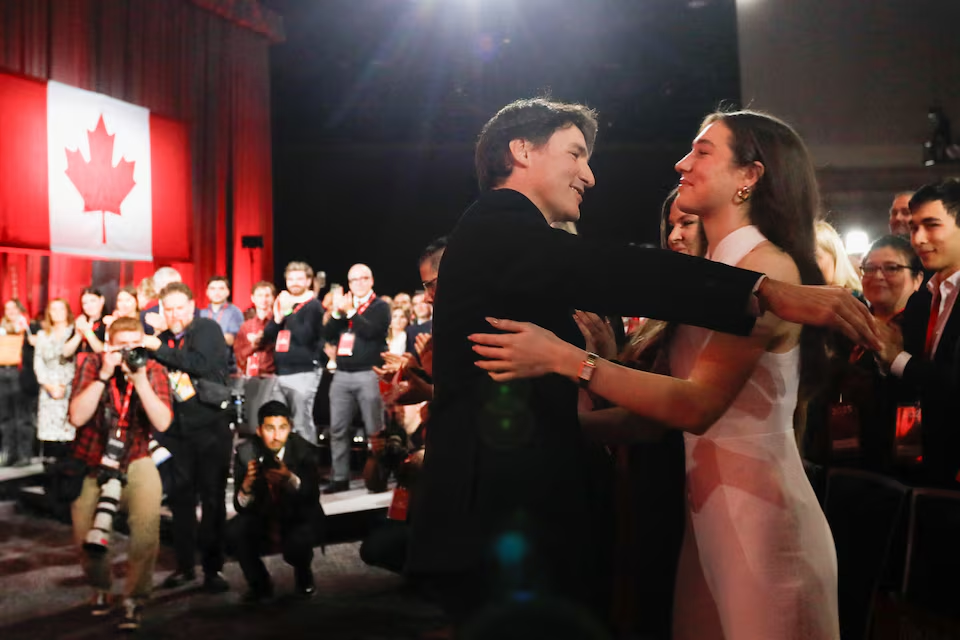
293,506
511,457
413,331
938,384
201,354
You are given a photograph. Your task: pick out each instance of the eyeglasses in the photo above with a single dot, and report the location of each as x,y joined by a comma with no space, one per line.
889,270
429,284
358,279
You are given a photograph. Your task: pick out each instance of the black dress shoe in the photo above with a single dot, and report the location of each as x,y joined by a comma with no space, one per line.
258,594
337,486
178,579
303,577
215,583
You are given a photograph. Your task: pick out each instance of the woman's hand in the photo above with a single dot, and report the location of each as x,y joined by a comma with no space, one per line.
524,351
598,333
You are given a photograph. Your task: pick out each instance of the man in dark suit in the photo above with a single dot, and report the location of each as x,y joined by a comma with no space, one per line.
277,500
927,355
514,504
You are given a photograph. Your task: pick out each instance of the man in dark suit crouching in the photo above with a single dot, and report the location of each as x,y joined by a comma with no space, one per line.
277,503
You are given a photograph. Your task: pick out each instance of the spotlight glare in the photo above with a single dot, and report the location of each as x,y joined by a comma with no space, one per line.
856,242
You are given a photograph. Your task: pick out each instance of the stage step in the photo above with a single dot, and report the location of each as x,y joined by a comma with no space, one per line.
349,513
12,479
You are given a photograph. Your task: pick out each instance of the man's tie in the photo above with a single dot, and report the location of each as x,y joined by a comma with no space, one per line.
932,325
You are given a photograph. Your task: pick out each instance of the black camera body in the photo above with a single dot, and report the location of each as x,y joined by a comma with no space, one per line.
268,461
395,446
135,358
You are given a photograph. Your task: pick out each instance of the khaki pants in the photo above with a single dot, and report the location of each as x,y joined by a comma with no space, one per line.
141,500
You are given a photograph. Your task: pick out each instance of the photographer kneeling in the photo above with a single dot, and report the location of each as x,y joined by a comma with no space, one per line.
277,501
118,397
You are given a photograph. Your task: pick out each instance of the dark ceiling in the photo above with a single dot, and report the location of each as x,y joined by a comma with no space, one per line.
377,103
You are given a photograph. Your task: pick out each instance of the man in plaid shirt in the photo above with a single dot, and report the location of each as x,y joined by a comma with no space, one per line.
110,400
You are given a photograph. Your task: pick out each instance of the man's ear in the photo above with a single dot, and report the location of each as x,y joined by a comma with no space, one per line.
520,152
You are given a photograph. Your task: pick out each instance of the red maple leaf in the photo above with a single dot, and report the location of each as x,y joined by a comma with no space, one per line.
103,186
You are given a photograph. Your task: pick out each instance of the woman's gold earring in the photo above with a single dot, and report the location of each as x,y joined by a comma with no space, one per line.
743,194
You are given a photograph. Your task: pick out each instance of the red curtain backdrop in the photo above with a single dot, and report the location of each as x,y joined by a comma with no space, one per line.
181,61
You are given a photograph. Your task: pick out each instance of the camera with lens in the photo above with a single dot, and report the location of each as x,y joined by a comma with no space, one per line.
135,358
111,480
386,459
395,446
268,461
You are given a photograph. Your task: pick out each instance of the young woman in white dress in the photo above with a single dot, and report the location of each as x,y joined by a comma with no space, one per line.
758,559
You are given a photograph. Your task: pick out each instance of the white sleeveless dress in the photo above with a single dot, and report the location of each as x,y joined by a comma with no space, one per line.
758,560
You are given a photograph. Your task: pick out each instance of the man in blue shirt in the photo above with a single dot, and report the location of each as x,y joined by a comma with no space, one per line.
227,315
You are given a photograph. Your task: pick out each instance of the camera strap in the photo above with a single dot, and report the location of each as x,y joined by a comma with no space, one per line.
122,408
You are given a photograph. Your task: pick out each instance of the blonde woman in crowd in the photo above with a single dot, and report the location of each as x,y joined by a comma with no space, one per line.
397,332
833,260
146,294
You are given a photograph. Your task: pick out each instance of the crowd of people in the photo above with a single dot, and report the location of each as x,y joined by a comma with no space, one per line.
625,452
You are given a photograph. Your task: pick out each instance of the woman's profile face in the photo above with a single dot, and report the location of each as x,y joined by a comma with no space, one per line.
827,264
683,232
709,177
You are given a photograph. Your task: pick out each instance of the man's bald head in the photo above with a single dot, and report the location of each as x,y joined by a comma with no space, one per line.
360,278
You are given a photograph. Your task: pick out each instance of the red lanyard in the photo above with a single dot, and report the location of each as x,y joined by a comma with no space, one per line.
122,408
219,313
362,308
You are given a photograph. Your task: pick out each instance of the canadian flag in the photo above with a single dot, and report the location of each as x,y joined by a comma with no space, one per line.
85,174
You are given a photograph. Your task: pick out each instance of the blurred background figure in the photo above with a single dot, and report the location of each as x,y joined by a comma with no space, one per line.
681,231
397,333
54,374
900,214
834,263
146,294
16,424
127,305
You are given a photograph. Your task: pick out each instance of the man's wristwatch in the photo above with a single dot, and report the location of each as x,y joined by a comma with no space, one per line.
587,367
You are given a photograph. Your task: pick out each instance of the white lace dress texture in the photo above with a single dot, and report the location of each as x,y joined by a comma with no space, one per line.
52,425
758,560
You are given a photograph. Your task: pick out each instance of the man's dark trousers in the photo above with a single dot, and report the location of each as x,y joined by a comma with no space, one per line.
201,463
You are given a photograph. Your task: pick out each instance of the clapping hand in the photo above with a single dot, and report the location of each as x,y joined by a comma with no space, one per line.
891,338
282,305
156,321
393,363
82,324
598,333
342,302
425,351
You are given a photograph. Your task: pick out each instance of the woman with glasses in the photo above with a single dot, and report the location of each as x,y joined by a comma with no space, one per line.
852,422
892,272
